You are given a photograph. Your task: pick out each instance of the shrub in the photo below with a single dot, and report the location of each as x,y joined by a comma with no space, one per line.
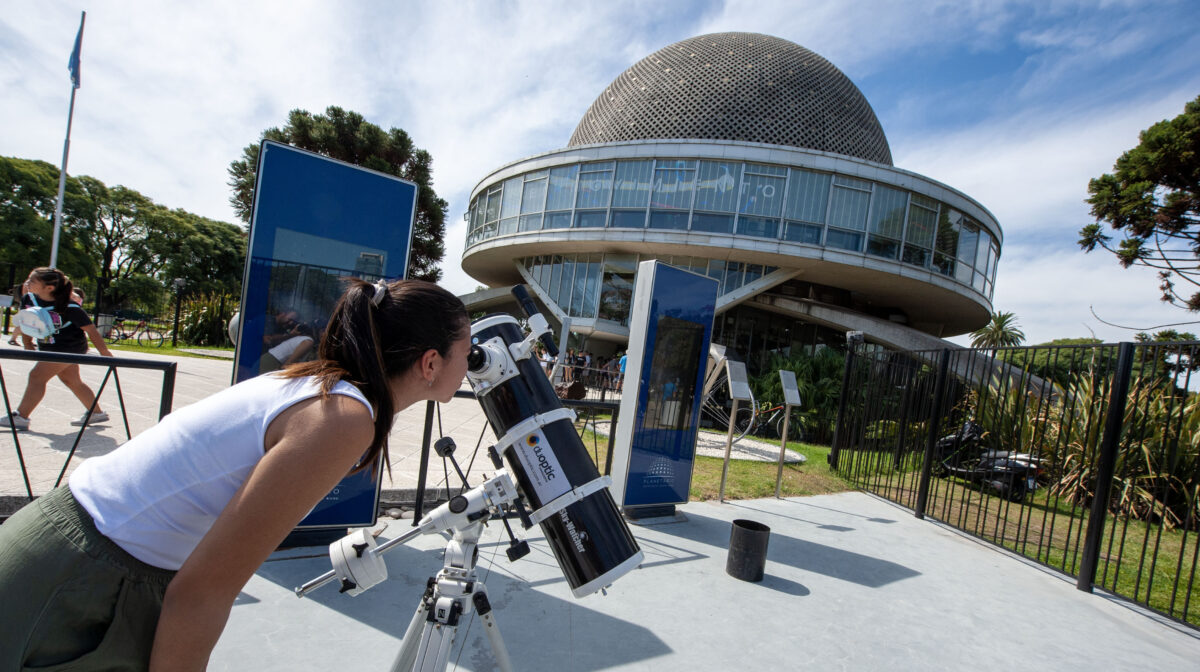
203,319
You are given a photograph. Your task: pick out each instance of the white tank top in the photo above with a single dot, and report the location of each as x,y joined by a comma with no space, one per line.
158,494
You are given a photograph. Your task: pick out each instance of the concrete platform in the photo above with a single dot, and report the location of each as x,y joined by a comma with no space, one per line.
852,582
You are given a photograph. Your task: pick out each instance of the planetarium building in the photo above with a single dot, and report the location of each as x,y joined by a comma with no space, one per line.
754,161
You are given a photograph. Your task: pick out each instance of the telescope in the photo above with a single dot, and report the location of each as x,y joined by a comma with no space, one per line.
569,498
544,473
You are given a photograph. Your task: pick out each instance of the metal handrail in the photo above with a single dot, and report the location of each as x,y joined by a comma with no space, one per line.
110,363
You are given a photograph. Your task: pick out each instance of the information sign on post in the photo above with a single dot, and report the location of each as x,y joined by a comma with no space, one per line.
314,222
739,391
791,391
739,382
791,398
669,334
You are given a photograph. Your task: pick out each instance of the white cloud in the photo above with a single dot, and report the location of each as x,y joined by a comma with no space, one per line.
1053,295
1032,171
172,92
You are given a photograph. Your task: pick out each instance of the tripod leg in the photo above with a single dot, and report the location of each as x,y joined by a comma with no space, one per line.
434,655
407,656
484,607
432,652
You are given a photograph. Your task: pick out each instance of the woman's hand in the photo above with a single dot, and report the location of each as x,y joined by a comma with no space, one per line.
97,340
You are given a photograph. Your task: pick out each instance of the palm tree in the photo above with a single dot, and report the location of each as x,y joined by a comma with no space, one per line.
1000,332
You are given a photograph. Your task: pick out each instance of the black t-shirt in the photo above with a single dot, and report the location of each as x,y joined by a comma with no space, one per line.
70,336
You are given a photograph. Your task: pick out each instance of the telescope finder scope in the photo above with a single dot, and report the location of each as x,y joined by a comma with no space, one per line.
537,322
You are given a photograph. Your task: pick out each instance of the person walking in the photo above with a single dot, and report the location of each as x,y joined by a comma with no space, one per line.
52,289
136,562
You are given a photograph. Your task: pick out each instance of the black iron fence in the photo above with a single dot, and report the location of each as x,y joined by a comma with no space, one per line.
1083,458
574,381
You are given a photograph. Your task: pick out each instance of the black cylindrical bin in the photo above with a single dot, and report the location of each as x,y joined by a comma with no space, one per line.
747,550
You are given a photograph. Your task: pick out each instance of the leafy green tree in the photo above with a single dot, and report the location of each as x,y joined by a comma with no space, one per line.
1153,200
347,136
27,205
1166,360
1000,332
819,379
117,233
207,254
1062,360
115,242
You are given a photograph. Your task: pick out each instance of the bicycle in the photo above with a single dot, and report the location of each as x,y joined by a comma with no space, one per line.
143,334
773,418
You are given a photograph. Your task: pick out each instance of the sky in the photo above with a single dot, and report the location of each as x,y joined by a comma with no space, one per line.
1017,104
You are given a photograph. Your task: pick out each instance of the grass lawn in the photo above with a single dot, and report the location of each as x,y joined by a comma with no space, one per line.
748,479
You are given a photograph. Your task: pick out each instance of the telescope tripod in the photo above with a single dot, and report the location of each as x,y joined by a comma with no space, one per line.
455,592
449,599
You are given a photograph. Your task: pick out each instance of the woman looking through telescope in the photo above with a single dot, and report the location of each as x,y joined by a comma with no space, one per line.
136,563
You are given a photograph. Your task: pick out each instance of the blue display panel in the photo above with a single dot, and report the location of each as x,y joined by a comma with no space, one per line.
669,337
315,222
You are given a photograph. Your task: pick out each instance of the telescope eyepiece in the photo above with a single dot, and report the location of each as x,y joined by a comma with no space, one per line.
477,359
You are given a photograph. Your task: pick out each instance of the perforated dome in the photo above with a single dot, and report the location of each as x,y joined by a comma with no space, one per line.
737,86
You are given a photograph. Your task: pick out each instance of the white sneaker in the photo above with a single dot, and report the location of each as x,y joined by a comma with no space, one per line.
15,420
97,416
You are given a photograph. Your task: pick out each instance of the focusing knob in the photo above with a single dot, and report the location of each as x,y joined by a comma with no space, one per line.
444,446
458,504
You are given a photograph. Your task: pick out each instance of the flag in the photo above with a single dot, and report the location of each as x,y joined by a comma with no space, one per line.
73,64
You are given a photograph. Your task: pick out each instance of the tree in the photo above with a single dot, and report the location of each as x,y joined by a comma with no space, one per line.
1166,360
207,254
1000,332
29,192
1153,199
819,379
346,136
114,240
118,234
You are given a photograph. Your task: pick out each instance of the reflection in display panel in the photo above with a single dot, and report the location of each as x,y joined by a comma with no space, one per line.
673,373
300,299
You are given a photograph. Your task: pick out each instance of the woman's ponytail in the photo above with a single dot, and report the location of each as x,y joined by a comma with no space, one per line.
378,332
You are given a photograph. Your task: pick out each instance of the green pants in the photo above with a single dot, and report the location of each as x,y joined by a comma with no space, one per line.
71,598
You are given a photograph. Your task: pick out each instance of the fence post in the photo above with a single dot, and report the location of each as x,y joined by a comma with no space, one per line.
168,391
838,434
612,434
939,400
1107,460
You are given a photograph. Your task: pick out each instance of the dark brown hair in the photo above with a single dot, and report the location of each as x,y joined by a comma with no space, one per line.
57,279
367,344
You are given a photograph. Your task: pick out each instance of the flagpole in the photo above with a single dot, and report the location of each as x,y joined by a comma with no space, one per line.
62,185
62,174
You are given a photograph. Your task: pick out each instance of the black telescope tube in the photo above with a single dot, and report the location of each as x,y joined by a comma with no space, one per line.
530,309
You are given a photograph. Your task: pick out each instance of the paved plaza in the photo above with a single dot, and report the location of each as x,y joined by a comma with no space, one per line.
852,582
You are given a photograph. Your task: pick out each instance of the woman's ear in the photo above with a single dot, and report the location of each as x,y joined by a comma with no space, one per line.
429,365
